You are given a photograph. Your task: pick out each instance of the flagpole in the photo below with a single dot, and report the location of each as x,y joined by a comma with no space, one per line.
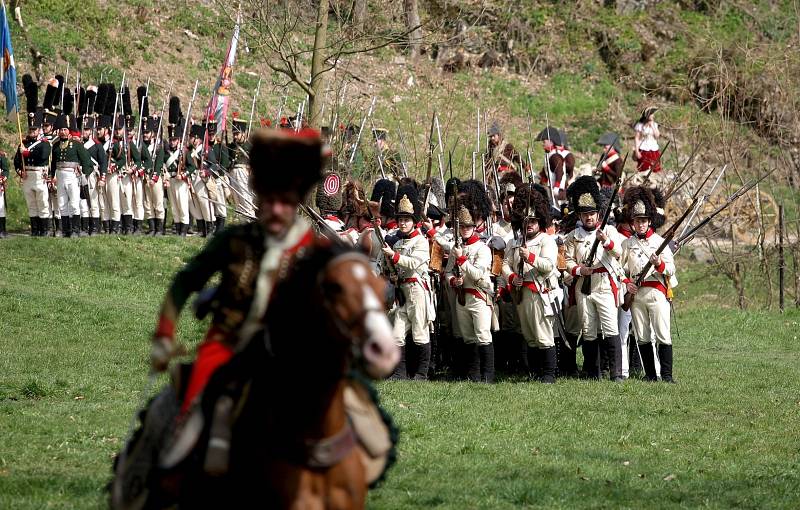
21,156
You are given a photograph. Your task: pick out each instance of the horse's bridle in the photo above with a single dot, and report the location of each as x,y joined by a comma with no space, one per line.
345,326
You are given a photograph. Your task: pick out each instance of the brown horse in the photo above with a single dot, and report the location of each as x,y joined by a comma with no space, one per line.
292,443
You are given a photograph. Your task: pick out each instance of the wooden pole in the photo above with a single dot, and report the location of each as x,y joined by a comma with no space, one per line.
781,259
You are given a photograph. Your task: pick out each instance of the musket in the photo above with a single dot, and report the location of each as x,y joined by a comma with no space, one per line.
141,112
188,117
474,156
253,107
379,150
325,229
402,138
441,149
280,108
703,200
161,118
547,168
428,182
361,130
114,126
586,285
63,87
686,237
461,296
668,235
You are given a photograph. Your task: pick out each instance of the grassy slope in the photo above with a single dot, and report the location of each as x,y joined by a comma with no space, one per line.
74,345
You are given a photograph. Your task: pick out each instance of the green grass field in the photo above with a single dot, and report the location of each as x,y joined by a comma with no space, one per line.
75,320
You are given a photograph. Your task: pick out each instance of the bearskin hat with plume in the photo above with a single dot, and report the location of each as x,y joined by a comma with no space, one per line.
127,108
143,101
383,192
450,188
437,192
31,93
584,195
59,89
639,201
50,94
510,182
529,199
325,201
111,99
472,195
660,216
91,99
68,108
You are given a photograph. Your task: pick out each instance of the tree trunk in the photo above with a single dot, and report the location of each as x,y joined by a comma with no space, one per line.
413,26
359,14
316,97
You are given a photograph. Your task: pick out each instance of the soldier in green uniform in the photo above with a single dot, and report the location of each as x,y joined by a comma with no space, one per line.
239,174
94,180
32,162
199,204
3,181
153,162
218,160
69,159
126,158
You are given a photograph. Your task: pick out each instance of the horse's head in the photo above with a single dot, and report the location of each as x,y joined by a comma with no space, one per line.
353,296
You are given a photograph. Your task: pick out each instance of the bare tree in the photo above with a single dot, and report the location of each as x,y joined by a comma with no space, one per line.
300,42
414,28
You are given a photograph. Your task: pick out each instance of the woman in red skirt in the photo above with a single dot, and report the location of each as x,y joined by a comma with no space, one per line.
647,154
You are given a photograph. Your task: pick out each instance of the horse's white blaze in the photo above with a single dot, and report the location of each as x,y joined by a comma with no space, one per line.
380,351
359,272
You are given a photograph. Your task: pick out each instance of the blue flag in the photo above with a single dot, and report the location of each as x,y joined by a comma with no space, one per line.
8,70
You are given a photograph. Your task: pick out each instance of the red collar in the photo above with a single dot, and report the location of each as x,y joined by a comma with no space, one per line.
413,233
472,240
391,224
646,234
625,230
331,217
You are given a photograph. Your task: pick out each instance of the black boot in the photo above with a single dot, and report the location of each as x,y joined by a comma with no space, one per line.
591,359
613,348
151,223
137,227
57,227
423,362
44,226
202,227
473,360
3,232
665,357
648,362
549,365
486,356
634,360
90,226
107,226
75,226
220,225
535,363
84,226
567,366
400,370
522,351
66,226
34,226
126,224
115,227
603,359
159,227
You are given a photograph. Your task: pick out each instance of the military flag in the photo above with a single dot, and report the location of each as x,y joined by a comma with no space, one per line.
218,106
8,70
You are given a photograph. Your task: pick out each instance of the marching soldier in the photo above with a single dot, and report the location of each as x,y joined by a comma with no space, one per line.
126,159
552,174
94,180
153,161
32,162
392,164
218,159
200,206
174,165
501,155
468,271
598,307
567,156
650,311
611,163
248,257
410,255
239,173
69,159
530,267
3,181
112,209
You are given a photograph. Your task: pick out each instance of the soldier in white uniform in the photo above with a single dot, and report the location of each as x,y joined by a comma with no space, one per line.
468,271
530,268
410,255
650,311
597,300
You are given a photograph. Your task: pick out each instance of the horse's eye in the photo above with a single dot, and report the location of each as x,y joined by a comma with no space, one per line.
331,288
